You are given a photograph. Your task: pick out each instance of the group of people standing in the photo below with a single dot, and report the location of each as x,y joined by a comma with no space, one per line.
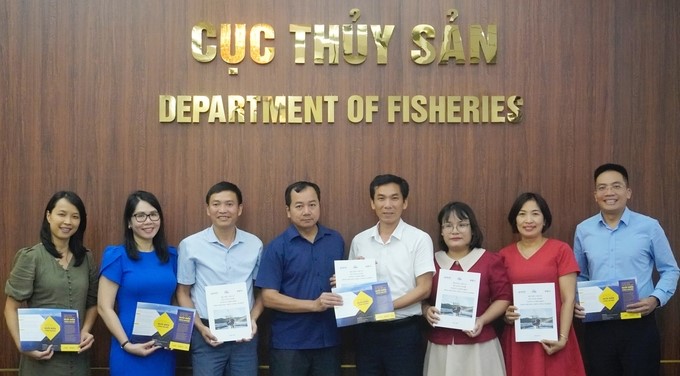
293,277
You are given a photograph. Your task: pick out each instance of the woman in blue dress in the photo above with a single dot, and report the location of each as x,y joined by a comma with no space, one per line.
143,269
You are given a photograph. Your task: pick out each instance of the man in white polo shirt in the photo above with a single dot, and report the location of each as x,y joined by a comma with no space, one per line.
404,258
220,254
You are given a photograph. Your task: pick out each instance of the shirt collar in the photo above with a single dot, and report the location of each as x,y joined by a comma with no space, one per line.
212,237
467,262
292,232
625,218
397,233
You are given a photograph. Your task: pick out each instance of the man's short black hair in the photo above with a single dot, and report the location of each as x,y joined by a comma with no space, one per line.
611,167
388,179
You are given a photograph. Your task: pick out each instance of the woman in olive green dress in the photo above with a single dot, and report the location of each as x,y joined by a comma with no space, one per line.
58,272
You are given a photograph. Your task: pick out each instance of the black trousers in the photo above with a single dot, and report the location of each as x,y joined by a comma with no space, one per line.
623,347
392,348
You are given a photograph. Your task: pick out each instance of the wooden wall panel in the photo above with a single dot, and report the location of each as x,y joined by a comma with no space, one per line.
79,84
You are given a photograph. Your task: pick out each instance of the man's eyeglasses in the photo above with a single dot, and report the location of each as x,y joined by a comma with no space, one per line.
616,187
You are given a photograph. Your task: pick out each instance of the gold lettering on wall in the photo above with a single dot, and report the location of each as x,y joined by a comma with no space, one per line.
300,34
454,109
488,43
326,44
452,46
233,52
382,37
232,43
308,109
349,34
257,53
207,55
250,109
349,40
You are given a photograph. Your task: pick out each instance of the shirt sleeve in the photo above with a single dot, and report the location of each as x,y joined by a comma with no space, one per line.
256,270
352,250
269,275
19,285
579,255
499,284
186,268
341,248
424,256
566,263
666,265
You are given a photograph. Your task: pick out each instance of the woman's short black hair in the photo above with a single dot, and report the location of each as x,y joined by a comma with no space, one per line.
464,212
520,201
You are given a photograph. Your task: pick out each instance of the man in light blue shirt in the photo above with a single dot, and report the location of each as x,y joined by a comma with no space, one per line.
220,254
616,244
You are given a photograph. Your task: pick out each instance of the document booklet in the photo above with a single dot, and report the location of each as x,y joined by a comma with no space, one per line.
229,311
364,303
537,308
457,296
607,300
169,326
42,327
354,272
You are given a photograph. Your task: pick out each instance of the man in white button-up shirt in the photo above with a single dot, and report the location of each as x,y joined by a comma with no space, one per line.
404,258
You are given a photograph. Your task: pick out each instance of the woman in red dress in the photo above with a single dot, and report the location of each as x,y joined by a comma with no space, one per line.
537,259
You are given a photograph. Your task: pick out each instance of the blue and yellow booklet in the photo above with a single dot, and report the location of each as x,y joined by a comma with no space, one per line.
607,300
41,327
362,303
169,326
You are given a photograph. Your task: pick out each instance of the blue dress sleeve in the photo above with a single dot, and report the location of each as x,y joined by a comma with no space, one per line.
112,263
173,259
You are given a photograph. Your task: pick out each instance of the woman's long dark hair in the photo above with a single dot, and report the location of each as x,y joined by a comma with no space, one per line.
160,244
75,242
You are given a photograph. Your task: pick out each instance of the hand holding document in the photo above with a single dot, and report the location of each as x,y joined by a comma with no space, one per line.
457,297
364,298
538,312
168,326
229,311
364,303
607,300
40,328
354,272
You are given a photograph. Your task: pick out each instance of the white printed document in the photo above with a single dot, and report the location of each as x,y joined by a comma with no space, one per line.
354,272
457,296
536,305
229,311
